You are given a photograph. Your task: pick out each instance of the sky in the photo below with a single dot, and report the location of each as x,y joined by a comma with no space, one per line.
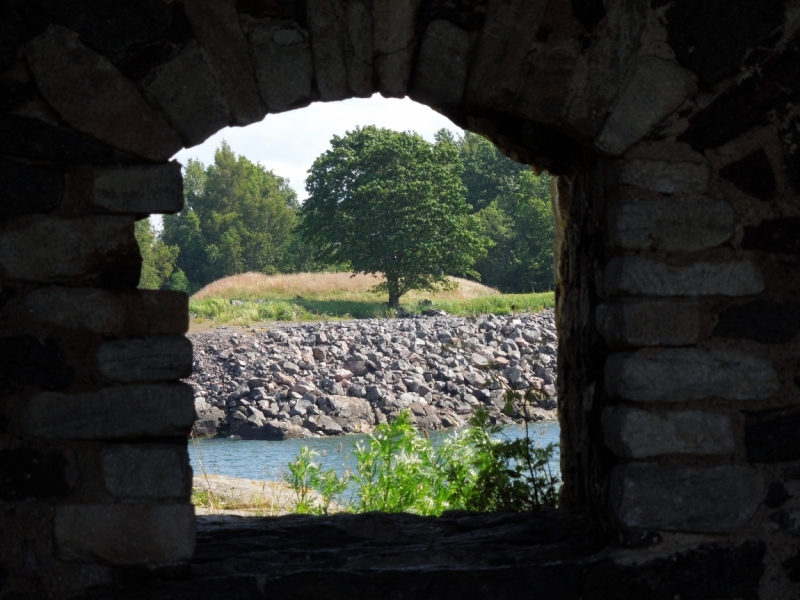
288,143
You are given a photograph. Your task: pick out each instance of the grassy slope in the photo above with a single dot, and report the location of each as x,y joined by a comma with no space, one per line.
253,297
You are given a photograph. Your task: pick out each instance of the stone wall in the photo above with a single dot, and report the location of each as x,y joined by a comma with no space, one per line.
672,124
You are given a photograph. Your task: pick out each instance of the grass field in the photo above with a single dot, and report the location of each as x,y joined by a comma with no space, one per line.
253,297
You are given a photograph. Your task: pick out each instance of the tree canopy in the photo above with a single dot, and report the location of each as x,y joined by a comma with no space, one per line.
392,203
238,216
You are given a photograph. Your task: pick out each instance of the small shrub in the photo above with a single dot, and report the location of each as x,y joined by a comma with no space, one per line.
398,470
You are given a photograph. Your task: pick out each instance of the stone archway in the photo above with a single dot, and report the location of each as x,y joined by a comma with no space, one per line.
673,128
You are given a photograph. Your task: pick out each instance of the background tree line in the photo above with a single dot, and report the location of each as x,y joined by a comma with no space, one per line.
239,217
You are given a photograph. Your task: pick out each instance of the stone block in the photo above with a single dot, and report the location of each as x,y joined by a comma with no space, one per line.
34,360
665,177
90,94
283,64
125,534
718,499
682,223
770,435
189,96
87,248
360,57
441,70
165,410
645,276
503,48
635,433
218,30
110,312
152,471
394,31
777,236
30,473
145,360
328,22
139,190
601,71
678,375
658,88
649,323
752,175
26,189
764,320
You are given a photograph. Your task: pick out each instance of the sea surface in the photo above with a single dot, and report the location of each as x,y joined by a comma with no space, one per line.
266,461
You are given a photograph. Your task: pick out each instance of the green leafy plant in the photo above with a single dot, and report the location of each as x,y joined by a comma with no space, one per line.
399,470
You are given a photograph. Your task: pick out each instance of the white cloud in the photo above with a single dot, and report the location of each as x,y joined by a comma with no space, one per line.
289,142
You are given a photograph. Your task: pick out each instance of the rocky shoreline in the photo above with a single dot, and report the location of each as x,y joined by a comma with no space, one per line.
340,377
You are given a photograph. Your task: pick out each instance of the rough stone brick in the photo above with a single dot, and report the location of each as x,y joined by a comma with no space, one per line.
771,435
749,102
26,189
139,190
649,323
665,177
112,27
30,473
603,68
144,360
90,94
88,248
658,88
189,96
110,312
718,499
283,64
708,571
779,236
635,433
359,32
30,138
394,40
217,28
639,275
737,27
500,56
790,139
33,360
753,175
677,375
154,471
125,534
792,567
112,413
328,21
683,223
763,320
441,71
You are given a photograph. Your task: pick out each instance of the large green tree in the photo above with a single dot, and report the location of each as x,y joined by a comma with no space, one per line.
488,174
391,203
238,216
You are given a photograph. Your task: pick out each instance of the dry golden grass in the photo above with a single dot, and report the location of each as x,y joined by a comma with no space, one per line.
341,286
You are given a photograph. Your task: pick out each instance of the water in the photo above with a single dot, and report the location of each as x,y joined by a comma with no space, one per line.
266,461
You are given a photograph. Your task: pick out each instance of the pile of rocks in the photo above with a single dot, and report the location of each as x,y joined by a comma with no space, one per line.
301,380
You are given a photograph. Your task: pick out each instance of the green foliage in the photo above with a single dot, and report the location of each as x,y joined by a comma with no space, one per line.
222,310
398,470
238,217
391,203
487,173
316,490
514,209
522,226
158,259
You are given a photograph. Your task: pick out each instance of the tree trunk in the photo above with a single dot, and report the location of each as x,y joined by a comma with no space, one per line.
394,300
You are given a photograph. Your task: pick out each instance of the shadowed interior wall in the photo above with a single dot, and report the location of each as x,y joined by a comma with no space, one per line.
673,127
